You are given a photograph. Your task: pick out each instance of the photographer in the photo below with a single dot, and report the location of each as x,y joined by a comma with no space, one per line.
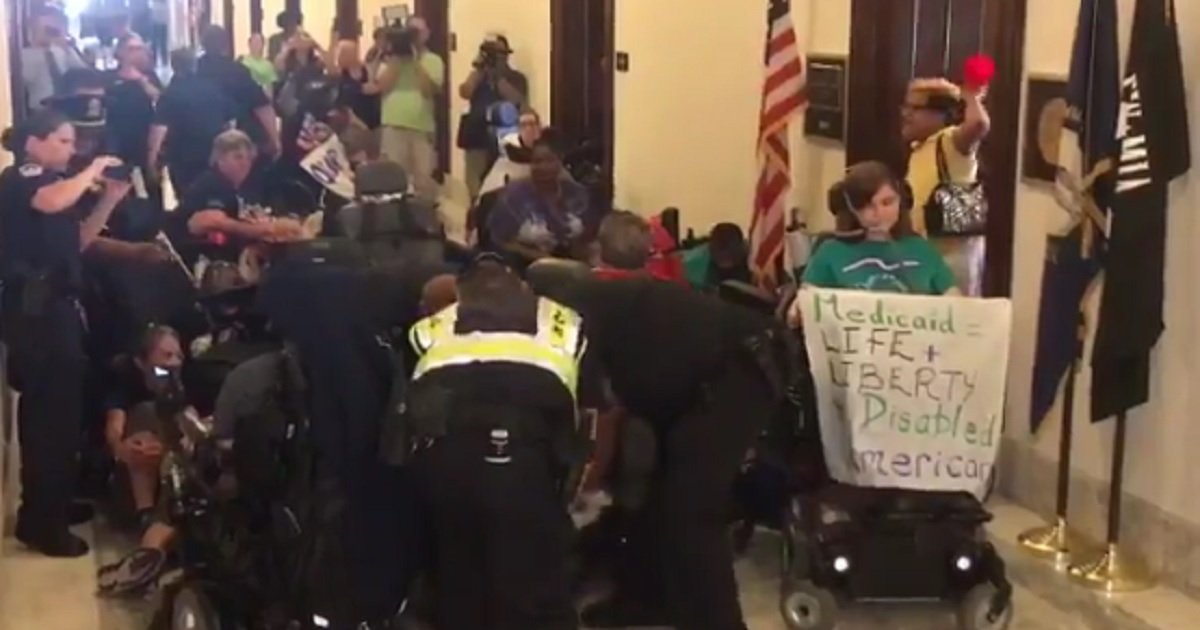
492,81
46,229
409,82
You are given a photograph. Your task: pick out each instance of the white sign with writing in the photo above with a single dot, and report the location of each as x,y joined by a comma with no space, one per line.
910,388
328,164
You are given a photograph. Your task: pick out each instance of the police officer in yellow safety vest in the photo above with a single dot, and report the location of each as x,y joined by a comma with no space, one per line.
493,398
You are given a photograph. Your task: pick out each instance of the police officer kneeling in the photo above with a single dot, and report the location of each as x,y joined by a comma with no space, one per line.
44,232
492,399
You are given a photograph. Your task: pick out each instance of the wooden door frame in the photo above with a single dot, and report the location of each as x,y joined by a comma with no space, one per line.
437,14
882,35
561,70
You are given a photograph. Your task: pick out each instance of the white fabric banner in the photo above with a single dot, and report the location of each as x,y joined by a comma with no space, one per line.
910,388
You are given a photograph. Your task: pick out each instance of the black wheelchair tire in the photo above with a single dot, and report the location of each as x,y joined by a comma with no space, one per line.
974,607
193,609
806,606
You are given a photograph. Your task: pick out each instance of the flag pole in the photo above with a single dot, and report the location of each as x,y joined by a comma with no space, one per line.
1057,541
1115,570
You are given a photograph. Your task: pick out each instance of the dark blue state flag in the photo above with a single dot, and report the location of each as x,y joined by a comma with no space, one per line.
1153,134
1084,185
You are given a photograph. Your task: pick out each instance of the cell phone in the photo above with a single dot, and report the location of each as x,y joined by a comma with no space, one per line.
120,172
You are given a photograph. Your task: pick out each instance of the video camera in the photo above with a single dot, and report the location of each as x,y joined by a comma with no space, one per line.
492,52
400,39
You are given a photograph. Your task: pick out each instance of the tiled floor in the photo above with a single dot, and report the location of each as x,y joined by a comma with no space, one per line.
36,593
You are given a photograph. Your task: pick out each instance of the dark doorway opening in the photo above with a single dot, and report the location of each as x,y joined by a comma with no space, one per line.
893,42
582,101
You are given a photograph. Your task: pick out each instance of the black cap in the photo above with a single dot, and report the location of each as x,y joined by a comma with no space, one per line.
83,110
376,179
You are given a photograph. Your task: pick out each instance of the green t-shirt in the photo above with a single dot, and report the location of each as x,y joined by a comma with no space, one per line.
909,265
406,106
262,70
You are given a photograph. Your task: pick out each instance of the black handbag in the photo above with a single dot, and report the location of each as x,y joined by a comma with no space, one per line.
955,209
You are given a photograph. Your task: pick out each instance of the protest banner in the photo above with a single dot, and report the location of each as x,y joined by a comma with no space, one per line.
910,389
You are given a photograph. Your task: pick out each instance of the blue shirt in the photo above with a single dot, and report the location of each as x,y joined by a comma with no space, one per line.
525,216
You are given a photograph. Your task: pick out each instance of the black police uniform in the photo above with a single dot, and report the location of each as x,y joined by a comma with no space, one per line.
687,364
44,329
195,111
488,475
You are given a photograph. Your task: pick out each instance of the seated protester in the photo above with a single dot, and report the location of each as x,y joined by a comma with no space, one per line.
221,209
515,153
629,245
136,438
724,257
242,398
545,215
875,247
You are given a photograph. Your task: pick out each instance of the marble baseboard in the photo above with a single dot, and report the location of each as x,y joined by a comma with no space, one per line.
1168,544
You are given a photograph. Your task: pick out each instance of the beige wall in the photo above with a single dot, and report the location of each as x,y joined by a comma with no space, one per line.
687,112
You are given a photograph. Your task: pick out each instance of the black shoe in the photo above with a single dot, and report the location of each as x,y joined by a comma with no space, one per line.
617,613
80,513
52,543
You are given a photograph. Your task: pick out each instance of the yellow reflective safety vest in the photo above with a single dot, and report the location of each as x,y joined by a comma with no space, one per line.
557,347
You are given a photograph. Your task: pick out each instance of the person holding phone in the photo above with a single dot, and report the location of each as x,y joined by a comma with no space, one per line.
132,428
46,230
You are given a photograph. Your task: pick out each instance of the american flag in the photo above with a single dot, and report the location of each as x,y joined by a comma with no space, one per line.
783,98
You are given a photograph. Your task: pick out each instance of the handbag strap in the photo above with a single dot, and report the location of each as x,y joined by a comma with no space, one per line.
942,165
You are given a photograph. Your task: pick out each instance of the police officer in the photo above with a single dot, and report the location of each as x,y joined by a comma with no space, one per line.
494,392
706,376
45,231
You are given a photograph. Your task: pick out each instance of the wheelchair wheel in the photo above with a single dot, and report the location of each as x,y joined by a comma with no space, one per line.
192,609
975,608
806,606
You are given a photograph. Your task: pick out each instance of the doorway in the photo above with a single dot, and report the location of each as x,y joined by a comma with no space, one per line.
581,68
893,42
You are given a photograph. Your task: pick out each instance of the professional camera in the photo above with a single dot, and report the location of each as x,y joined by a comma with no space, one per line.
492,52
400,40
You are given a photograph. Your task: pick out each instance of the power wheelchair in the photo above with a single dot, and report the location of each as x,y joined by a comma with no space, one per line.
844,544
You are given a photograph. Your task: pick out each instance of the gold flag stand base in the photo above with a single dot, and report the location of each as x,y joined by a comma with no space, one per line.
1053,542
1114,571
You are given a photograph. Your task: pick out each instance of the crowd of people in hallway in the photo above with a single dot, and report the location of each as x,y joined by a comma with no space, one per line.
478,392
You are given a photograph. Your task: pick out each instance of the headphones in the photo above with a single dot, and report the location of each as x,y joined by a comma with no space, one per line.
901,187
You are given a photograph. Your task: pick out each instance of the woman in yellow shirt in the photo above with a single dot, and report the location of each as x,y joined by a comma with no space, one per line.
937,111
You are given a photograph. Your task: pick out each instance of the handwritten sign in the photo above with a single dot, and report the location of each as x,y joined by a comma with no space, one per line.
910,388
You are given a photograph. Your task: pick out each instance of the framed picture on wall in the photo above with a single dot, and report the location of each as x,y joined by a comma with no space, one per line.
1045,112
825,116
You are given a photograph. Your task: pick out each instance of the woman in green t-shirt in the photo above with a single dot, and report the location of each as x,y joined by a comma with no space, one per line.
875,247
259,66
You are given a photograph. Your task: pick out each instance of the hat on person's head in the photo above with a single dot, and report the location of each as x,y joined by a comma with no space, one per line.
380,181
83,110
